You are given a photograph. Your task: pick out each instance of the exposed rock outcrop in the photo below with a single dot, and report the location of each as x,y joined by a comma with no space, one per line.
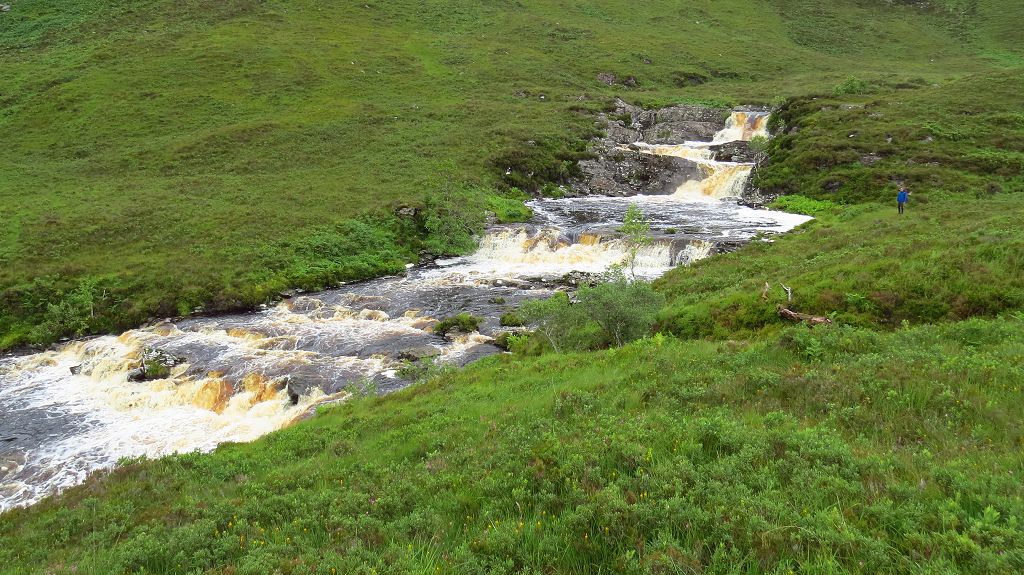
733,152
618,170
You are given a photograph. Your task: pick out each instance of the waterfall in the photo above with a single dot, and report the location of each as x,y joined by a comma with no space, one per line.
742,126
722,180
549,252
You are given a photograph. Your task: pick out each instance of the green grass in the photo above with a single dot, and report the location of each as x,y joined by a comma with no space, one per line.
235,148
184,154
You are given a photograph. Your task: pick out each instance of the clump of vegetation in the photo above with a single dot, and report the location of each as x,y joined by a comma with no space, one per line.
511,319
798,204
613,312
463,322
509,207
553,191
852,85
453,217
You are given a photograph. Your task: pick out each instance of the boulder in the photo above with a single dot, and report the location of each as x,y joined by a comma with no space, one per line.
733,152
152,356
618,171
419,353
628,172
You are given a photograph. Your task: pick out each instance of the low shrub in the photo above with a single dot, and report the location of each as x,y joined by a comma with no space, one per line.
463,322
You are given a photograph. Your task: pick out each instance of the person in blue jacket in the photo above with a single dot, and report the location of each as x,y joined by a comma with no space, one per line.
902,197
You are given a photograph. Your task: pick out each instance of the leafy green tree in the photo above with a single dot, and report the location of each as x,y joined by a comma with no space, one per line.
555,319
625,310
636,228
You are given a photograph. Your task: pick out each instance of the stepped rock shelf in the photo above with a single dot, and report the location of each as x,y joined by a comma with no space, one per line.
234,378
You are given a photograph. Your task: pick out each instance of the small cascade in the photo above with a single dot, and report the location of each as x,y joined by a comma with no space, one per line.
722,180
549,252
742,127
694,251
698,151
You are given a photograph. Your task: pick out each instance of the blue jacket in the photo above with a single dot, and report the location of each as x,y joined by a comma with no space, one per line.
902,196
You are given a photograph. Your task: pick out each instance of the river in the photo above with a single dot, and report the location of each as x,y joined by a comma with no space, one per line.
72,411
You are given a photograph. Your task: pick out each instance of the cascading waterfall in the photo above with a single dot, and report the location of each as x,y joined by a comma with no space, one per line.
548,251
722,180
75,410
743,126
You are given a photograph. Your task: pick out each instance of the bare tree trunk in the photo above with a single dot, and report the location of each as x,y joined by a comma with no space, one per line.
811,320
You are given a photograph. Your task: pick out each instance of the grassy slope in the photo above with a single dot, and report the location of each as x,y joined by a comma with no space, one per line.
185,153
843,450
865,447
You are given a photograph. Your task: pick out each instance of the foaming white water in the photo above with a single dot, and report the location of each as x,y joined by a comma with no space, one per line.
696,151
549,253
114,418
742,126
693,252
721,180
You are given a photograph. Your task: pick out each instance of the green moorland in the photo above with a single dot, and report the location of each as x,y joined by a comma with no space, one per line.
160,156
889,442
730,442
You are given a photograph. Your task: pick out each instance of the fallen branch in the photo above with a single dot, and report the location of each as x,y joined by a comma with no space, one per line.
811,320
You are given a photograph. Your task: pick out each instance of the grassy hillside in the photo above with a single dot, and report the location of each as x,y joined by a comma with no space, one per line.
161,155
888,442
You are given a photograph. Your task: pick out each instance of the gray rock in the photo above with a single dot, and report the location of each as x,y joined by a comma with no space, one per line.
478,352
152,355
617,171
578,278
733,152
419,353
626,172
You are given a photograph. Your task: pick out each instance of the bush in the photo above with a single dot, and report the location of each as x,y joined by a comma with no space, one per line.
463,322
852,85
625,310
555,319
613,312
512,319
453,218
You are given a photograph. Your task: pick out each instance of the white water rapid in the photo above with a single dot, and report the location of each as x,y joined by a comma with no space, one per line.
69,412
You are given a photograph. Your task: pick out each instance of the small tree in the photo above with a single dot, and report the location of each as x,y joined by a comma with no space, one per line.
636,228
556,320
625,310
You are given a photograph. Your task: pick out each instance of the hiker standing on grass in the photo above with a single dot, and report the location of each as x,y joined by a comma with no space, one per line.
902,197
